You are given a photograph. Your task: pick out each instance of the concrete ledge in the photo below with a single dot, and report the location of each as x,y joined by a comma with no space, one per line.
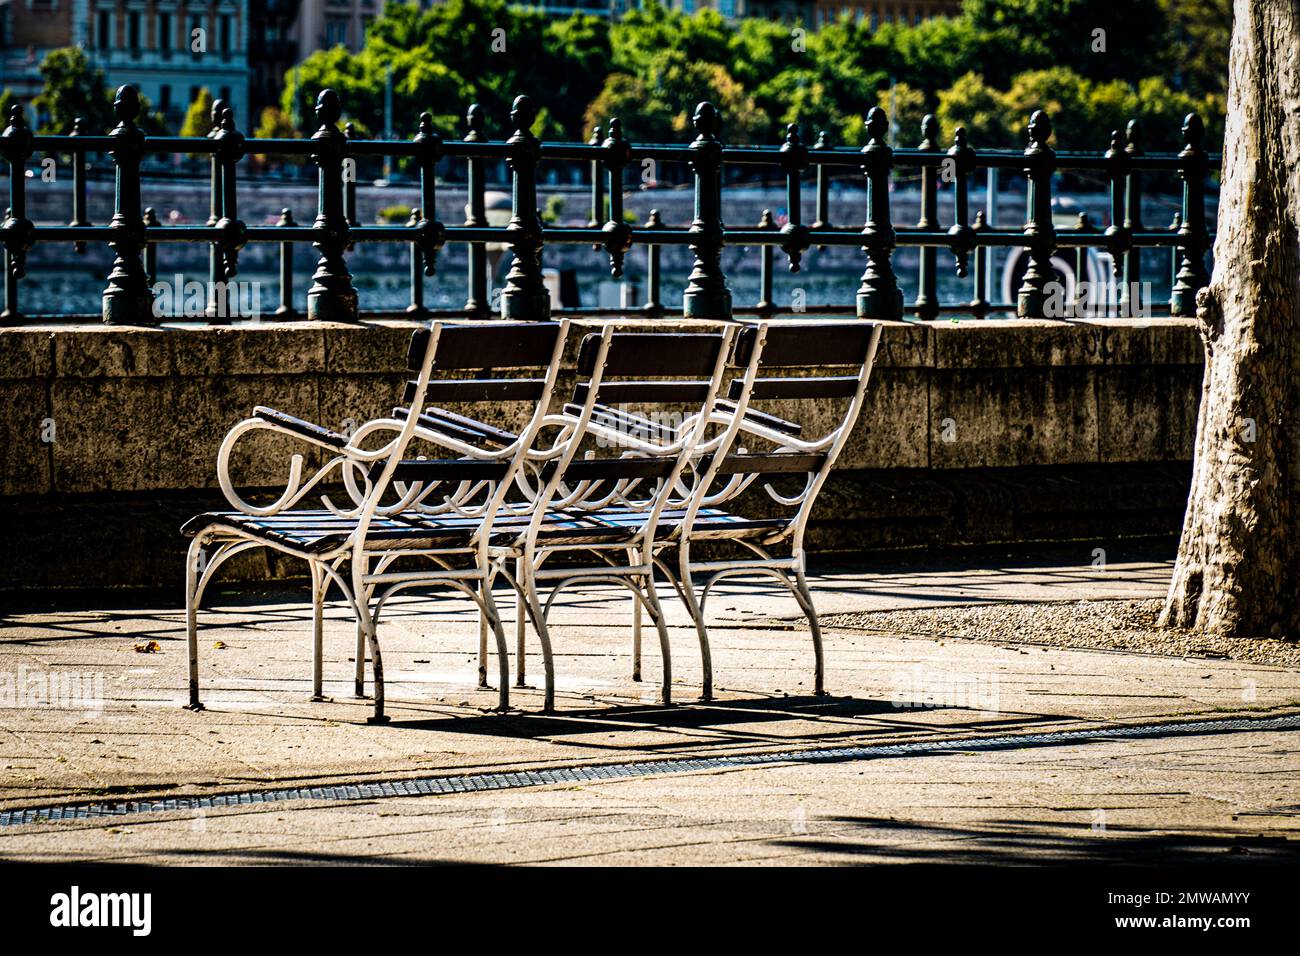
94,415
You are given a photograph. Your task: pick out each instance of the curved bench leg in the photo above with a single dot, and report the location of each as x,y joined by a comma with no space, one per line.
483,627
657,616
318,586
696,610
371,634
521,633
636,629
192,557
804,597
529,589
359,678
489,616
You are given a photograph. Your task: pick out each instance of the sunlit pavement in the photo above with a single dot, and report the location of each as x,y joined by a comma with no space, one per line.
1168,797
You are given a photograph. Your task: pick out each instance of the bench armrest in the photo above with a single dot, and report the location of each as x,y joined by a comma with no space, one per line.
303,429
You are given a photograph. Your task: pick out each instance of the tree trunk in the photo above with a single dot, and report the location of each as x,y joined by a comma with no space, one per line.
1238,570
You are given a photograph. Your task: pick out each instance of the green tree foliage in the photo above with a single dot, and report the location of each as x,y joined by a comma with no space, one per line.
71,88
198,118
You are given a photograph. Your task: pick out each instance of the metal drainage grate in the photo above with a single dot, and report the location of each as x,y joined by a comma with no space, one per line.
428,786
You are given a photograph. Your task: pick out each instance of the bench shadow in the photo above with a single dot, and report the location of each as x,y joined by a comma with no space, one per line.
1002,842
788,721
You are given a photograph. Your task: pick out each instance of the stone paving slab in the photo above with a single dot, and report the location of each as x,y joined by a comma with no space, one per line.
260,730
1153,801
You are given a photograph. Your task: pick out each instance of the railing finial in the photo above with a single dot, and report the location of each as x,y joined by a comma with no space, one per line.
1193,131
126,104
475,119
1040,129
929,132
329,109
215,112
877,125
706,120
523,113
1133,135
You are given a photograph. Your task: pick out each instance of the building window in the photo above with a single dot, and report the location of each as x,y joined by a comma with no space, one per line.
165,98
133,30
164,40
223,33
104,30
336,32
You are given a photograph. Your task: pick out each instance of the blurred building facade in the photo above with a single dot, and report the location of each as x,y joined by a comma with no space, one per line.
241,50
168,49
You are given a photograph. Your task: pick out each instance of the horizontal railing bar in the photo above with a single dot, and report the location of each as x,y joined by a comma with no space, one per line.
72,144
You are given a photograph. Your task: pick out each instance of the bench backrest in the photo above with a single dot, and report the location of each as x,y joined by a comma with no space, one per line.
834,361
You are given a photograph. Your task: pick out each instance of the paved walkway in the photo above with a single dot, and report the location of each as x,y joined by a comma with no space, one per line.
1172,795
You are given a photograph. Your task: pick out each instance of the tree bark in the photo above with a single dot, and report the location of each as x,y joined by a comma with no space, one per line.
1238,568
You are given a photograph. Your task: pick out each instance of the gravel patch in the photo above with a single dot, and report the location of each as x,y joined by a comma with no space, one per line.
1125,625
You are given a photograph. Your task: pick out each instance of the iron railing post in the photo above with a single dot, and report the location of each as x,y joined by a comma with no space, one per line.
525,296
1118,234
232,234
1082,224
430,233
16,230
416,308
350,184
126,298
597,187
766,257
78,184
654,305
331,297
926,303
794,234
707,295
617,234
963,237
1040,236
151,248
822,214
286,309
979,303
1132,269
477,302
1194,238
215,115
879,296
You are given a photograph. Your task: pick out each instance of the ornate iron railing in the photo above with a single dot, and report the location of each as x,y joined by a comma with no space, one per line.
133,235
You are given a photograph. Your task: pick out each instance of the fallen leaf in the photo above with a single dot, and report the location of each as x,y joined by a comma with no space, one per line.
149,648
218,645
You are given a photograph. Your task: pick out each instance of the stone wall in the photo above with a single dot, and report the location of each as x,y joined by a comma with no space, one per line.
109,435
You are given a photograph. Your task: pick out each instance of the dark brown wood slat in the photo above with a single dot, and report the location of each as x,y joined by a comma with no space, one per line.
479,390
761,418
776,463
795,345
653,353
300,427
487,346
615,418
826,386
442,425
614,469
645,393
496,436
457,469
